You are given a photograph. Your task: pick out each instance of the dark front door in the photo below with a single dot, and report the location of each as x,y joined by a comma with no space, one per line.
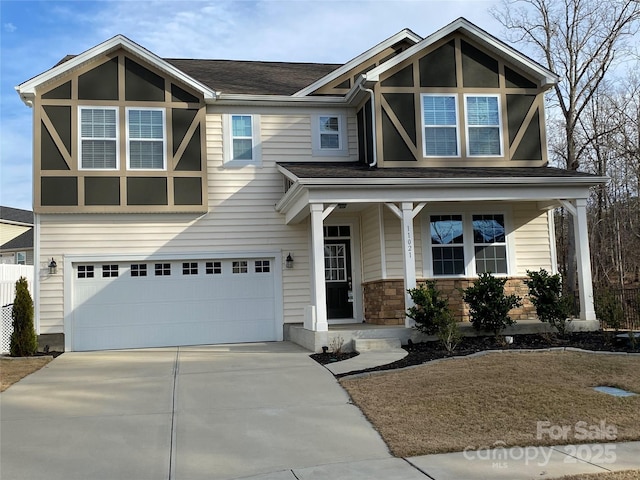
337,275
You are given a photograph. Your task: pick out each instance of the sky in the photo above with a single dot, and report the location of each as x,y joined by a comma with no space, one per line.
35,35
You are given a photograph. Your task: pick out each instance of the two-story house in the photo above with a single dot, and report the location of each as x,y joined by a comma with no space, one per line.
208,201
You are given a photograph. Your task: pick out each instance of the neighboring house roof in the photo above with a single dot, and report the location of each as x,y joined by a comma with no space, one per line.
358,171
23,241
16,216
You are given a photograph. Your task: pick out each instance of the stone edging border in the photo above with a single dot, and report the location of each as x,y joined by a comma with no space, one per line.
7,357
487,352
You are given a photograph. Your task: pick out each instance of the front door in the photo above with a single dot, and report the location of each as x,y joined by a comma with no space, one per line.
337,274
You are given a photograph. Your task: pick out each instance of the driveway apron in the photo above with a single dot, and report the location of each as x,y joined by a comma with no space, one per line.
203,412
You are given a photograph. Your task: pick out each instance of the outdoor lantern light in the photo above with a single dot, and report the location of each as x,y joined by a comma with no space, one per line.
289,261
53,267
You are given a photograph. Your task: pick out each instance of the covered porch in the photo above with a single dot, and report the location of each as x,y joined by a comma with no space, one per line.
320,192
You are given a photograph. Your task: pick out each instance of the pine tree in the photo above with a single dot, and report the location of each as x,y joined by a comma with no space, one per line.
24,341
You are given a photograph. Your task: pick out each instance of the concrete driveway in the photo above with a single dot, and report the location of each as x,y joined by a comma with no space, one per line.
209,412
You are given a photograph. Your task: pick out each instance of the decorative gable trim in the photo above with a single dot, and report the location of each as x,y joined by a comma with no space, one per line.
404,34
546,78
27,89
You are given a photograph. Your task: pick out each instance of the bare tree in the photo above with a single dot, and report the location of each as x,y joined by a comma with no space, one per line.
579,40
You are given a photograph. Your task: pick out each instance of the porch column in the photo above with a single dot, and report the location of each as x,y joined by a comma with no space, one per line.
406,213
318,293
578,210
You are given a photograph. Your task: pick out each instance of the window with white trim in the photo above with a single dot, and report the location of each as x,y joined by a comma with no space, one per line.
138,269
189,268
146,139
467,244
440,136
329,135
241,139
239,267
484,132
98,138
162,269
213,268
21,258
262,266
109,271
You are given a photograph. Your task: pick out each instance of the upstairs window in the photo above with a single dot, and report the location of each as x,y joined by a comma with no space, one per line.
329,135
484,134
440,125
146,143
98,138
241,145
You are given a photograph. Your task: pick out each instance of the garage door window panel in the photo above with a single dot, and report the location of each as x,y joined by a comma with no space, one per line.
139,270
162,269
190,268
213,268
109,271
240,267
262,266
85,271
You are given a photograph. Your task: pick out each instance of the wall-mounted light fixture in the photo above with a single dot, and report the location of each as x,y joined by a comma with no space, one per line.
53,267
289,261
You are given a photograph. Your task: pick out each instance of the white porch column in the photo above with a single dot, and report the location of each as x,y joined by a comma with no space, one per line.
318,293
578,210
406,213
587,310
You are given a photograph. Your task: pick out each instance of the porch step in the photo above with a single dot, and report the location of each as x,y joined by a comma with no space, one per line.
376,344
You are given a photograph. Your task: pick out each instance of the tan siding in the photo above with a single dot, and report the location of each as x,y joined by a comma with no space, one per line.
371,242
531,238
394,247
9,232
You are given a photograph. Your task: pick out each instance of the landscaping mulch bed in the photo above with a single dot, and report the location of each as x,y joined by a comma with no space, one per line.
326,358
423,352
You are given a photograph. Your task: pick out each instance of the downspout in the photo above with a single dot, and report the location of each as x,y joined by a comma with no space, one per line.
373,125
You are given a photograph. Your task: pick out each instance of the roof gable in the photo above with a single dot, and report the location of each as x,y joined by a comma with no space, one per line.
403,35
27,89
16,215
544,76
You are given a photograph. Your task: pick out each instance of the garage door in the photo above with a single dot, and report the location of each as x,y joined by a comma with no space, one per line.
166,303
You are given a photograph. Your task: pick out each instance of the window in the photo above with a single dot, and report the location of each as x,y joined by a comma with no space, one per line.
463,244
98,138
146,139
239,266
329,135
213,268
335,263
262,266
447,244
440,125
189,268
162,269
139,270
489,242
85,271
109,271
21,258
484,136
241,140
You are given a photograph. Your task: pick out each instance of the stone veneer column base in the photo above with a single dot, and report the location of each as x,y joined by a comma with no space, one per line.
384,299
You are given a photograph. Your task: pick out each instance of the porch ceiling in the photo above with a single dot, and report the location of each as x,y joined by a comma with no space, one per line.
355,183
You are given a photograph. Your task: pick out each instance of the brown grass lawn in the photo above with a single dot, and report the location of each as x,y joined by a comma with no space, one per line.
476,402
14,369
626,475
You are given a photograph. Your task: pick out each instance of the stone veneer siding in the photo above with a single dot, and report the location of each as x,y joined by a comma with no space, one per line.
384,300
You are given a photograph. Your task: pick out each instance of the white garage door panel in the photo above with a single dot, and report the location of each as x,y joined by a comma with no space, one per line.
154,311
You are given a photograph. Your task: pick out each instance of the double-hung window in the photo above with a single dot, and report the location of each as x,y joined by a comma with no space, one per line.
329,135
484,136
146,145
98,138
468,244
440,125
241,145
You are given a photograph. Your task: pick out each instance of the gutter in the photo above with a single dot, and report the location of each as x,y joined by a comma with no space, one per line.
373,123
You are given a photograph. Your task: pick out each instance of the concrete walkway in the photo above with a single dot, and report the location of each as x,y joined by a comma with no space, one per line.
259,411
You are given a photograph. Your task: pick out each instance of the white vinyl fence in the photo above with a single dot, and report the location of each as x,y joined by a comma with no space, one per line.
9,275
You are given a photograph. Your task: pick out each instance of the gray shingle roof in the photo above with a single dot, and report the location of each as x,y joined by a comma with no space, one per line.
16,215
250,77
359,170
22,241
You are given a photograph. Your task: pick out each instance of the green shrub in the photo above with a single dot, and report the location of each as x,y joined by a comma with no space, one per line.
24,341
429,308
449,333
488,304
546,295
